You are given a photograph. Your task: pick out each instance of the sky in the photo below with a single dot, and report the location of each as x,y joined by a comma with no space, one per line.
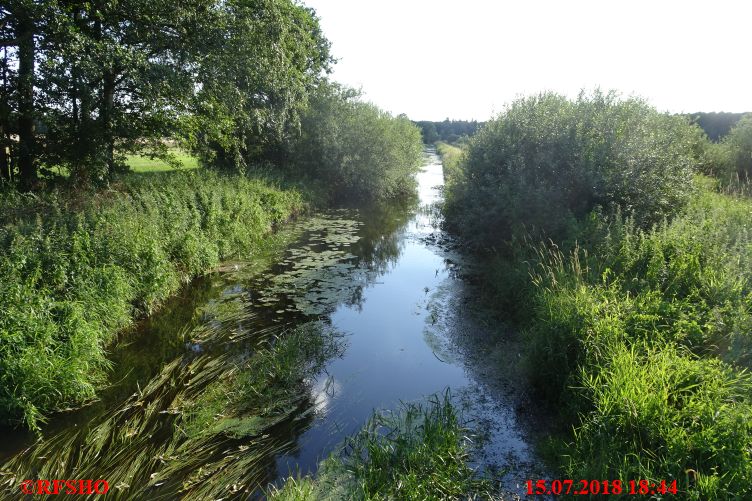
437,59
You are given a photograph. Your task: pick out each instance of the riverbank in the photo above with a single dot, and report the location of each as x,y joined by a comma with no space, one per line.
78,267
640,345
636,332
241,391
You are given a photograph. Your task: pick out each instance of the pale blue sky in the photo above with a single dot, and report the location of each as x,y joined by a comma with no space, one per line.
434,59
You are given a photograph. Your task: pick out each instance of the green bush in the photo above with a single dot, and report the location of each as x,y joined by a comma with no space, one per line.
739,142
731,159
354,149
547,161
76,268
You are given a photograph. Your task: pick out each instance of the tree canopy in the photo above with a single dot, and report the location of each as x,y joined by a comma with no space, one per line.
84,83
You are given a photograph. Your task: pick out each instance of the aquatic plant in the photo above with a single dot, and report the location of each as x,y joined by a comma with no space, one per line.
207,426
418,452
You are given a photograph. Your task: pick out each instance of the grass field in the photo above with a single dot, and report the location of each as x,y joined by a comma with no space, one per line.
139,163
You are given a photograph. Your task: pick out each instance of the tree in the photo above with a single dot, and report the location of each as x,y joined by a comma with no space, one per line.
103,78
117,77
739,145
20,19
262,59
354,149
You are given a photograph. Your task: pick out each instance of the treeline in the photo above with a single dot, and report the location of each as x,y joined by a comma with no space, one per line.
716,124
86,83
629,274
448,131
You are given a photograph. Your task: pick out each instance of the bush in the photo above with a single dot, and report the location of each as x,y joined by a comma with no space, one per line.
547,161
354,149
733,155
76,268
451,159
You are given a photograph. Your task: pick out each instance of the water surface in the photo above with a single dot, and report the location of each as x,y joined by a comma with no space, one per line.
389,279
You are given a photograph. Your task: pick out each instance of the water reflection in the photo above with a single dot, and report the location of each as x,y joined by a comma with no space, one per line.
374,274
133,436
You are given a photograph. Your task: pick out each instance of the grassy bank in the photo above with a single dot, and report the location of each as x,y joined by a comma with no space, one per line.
636,327
642,344
451,158
418,453
77,267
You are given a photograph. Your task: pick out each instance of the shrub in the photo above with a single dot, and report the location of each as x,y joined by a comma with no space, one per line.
547,161
354,149
739,148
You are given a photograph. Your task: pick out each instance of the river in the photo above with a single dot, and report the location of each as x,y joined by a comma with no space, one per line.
397,288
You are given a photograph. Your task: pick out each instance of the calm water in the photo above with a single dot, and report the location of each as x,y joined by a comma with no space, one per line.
390,280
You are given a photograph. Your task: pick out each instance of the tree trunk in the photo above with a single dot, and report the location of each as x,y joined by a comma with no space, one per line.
74,78
5,165
4,160
108,106
26,147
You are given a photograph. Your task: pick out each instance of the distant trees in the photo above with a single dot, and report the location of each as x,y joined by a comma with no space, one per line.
716,124
739,144
83,83
449,131
731,158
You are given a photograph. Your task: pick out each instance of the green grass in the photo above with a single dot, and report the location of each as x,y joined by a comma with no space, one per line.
417,453
641,342
185,161
451,158
77,268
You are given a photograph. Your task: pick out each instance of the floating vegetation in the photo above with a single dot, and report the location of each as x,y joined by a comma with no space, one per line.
208,426
320,273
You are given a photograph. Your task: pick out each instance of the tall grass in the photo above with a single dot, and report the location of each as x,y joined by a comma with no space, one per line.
418,453
76,268
642,342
